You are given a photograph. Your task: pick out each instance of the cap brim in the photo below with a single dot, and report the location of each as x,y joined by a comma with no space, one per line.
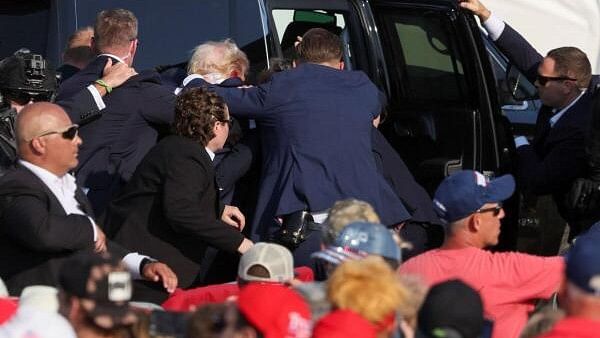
336,255
500,189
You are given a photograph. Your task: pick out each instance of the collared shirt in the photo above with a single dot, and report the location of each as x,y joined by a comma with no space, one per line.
95,94
211,154
64,188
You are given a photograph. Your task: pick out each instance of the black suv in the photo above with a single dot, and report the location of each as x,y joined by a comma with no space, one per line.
446,84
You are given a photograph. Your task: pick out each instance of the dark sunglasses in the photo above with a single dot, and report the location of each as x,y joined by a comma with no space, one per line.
23,98
68,133
495,210
542,80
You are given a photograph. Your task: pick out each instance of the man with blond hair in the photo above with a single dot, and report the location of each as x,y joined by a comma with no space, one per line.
216,61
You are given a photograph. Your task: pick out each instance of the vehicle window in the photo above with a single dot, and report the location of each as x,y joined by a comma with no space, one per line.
505,94
291,23
425,52
430,114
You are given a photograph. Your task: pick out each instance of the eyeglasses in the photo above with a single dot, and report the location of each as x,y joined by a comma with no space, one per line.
68,132
495,210
542,80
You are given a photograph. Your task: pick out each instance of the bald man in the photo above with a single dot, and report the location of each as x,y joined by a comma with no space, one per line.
44,216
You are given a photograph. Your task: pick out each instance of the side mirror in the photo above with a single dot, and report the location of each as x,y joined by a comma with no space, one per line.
517,84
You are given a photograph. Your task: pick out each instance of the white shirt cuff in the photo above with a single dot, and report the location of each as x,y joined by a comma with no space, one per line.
97,97
94,228
132,261
521,141
494,26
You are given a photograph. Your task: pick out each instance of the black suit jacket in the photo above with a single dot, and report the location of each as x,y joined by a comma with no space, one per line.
170,210
556,156
35,232
114,144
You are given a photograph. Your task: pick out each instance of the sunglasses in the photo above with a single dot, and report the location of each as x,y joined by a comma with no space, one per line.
542,80
68,132
23,98
495,210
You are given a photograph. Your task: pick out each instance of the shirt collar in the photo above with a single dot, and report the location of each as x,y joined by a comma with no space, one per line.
46,176
561,112
113,56
211,154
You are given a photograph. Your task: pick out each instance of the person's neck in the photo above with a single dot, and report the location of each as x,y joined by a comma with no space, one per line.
123,54
459,241
587,310
58,172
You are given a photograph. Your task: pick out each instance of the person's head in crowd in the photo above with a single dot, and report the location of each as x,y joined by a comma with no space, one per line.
360,239
541,322
202,115
266,262
265,310
451,307
116,33
78,51
470,205
320,46
365,296
562,75
580,294
94,294
47,138
26,77
343,213
217,61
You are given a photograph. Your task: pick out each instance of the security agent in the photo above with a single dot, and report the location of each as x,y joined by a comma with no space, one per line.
24,77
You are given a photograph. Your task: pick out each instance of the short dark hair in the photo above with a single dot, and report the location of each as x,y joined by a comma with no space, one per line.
114,28
572,62
196,112
319,45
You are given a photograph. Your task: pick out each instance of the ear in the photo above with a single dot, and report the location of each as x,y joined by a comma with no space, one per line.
133,47
38,145
341,65
474,223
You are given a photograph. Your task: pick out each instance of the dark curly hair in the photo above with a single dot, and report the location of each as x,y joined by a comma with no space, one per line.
196,112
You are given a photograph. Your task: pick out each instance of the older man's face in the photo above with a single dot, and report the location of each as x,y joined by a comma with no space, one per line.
63,145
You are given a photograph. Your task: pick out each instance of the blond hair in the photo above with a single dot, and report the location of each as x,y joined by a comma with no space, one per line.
345,212
368,287
218,56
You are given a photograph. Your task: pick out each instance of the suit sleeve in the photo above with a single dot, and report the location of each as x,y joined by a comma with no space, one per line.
242,102
81,107
186,207
519,52
159,104
26,219
564,163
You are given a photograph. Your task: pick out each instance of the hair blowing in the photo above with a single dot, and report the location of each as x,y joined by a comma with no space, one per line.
196,112
319,45
572,62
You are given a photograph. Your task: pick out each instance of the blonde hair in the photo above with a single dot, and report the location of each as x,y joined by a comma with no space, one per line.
345,212
368,287
218,56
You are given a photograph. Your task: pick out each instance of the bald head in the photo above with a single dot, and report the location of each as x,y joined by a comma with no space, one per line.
44,138
37,118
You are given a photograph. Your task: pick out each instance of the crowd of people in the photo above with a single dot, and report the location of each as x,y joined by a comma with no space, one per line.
189,203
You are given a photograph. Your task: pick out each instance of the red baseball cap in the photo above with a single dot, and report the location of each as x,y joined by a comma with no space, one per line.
342,324
275,310
8,307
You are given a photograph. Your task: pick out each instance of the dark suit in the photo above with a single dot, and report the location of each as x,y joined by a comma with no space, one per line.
36,233
170,211
315,127
129,126
556,156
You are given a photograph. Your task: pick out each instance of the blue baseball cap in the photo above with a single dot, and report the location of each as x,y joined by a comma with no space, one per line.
583,269
361,238
464,192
